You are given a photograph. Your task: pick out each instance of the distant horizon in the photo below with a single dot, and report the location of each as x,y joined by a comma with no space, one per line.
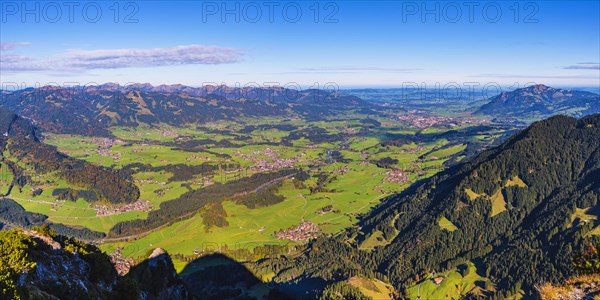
10,86
354,44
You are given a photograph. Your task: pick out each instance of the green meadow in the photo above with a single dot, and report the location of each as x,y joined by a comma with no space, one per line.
445,224
355,183
456,284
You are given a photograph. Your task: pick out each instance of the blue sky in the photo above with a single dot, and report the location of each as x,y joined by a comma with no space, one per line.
349,43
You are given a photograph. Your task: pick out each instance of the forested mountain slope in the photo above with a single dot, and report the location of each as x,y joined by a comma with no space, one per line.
27,165
13,125
520,212
21,149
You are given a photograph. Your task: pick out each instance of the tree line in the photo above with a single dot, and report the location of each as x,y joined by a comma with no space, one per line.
186,205
105,183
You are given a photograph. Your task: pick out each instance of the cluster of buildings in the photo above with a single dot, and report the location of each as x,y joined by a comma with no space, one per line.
414,150
108,153
122,264
169,133
273,162
396,176
365,158
105,210
350,130
342,171
197,157
425,121
207,181
104,145
305,231
149,181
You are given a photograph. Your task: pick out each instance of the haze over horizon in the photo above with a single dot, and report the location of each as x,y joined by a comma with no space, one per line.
352,44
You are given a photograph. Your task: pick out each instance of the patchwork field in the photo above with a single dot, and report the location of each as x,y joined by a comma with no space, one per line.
351,165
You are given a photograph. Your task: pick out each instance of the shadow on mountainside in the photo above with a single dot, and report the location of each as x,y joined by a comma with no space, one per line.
156,278
218,276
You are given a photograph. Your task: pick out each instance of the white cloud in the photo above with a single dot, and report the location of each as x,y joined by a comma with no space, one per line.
78,60
6,46
152,57
584,66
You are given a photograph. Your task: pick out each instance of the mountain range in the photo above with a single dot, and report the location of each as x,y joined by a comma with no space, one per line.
92,110
540,101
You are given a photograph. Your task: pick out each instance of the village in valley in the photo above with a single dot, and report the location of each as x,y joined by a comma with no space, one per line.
272,161
303,232
108,210
424,119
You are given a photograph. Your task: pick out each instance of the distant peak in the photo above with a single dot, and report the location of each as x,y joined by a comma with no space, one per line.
139,85
539,88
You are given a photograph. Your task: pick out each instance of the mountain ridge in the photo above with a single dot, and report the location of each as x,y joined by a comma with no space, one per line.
541,101
92,110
